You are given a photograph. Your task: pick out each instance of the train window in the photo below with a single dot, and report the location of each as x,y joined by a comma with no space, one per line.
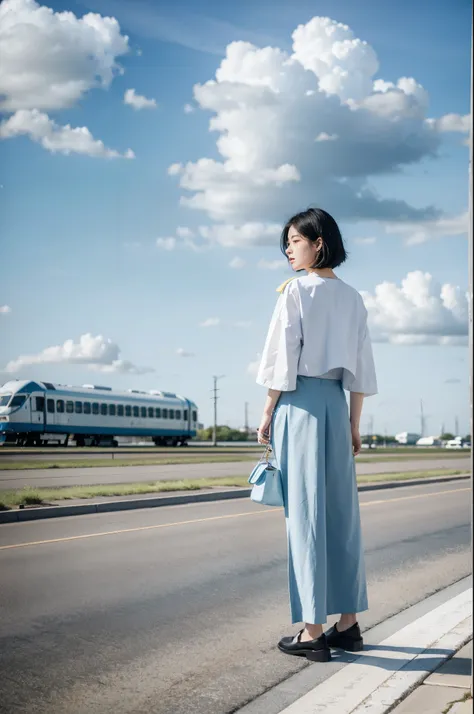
143,412
119,409
178,414
185,415
171,413
195,416
112,410
165,414
70,407
151,413
50,406
103,409
95,407
18,400
128,411
136,412
158,413
60,406
40,404
78,407
87,407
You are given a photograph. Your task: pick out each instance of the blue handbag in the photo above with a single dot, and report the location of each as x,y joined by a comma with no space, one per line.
266,481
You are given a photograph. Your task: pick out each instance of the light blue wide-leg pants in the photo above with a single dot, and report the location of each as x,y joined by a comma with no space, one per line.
312,446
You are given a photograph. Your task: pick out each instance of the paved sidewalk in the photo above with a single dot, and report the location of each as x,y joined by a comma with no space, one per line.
422,667
446,691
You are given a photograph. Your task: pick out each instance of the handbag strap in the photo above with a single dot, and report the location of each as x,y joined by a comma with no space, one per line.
266,453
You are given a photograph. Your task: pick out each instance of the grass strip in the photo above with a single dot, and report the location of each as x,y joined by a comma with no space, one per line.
101,463
31,496
31,465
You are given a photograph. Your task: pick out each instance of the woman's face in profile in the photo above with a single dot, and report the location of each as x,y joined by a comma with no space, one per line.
301,252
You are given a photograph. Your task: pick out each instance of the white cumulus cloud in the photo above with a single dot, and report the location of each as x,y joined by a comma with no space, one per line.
241,236
51,59
369,240
237,263
174,169
98,353
268,105
210,322
181,352
166,243
184,232
184,238
323,136
5,309
415,233
453,123
420,311
55,138
138,101
278,264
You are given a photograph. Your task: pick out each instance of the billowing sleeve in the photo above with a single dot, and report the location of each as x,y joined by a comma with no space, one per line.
279,364
365,379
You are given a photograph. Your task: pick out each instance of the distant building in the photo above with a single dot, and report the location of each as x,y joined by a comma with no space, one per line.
429,441
407,439
456,443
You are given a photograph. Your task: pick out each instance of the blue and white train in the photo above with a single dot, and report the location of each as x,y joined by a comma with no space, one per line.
37,413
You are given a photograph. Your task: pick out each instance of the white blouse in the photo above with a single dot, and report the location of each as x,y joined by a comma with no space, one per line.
318,329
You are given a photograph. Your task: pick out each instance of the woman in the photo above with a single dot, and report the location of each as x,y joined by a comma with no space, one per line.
317,345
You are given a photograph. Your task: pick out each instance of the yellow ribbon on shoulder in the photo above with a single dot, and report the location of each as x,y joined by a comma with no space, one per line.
283,285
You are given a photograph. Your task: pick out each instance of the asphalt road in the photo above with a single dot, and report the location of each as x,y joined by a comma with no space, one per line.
172,610
130,474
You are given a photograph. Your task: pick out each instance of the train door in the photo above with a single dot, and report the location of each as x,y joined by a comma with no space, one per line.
37,406
63,411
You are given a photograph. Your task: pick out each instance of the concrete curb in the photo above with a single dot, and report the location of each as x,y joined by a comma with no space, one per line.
33,514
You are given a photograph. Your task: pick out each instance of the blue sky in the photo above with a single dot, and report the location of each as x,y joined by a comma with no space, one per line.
96,244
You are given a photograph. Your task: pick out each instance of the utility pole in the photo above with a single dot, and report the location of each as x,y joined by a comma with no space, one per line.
246,418
422,419
215,397
456,426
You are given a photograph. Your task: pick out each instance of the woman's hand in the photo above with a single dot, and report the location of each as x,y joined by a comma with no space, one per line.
356,440
263,431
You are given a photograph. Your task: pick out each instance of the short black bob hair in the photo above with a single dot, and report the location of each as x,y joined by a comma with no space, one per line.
313,224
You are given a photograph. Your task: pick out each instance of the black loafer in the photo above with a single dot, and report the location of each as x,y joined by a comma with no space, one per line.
314,650
350,639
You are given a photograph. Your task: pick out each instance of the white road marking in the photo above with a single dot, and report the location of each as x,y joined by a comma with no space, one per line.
379,677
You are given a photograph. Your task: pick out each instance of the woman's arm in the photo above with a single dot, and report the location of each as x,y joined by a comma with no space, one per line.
356,400
271,400
263,435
